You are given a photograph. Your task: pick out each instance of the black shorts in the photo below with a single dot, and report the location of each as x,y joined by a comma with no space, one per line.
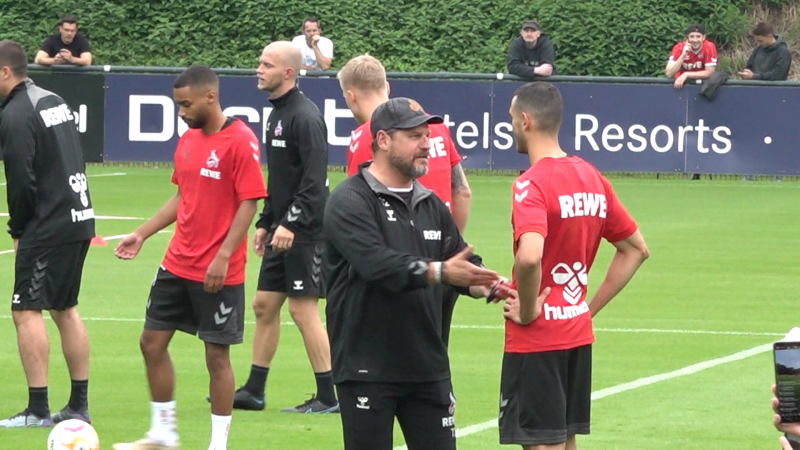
296,272
449,298
545,397
424,411
176,303
48,277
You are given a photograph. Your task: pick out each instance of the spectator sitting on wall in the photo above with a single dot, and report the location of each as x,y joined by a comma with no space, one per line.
770,59
531,53
317,51
65,47
696,57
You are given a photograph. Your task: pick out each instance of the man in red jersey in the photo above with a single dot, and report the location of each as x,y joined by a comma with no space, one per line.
364,86
695,57
199,288
561,209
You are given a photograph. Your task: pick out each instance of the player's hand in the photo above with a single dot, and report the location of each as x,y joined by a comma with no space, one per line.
315,39
511,308
16,246
686,49
680,81
791,428
215,275
282,239
746,74
129,246
65,54
259,240
458,271
502,290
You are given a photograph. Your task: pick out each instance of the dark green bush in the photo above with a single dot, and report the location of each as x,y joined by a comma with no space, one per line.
592,37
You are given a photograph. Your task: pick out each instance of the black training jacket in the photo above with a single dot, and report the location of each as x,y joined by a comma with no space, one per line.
297,159
384,319
48,195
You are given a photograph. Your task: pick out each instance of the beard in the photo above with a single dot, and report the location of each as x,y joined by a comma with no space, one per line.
197,122
407,167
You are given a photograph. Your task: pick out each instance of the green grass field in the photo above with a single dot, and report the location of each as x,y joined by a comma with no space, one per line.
722,279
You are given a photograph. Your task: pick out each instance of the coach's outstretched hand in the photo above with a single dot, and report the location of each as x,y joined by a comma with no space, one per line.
129,246
459,271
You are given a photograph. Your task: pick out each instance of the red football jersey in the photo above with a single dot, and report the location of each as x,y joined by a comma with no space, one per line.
695,62
572,205
442,157
214,174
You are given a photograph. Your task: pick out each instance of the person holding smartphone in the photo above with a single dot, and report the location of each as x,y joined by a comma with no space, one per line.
65,47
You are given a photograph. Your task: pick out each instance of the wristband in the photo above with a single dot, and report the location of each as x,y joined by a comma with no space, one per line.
437,272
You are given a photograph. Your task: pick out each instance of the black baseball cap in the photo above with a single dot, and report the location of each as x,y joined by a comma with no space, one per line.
400,114
530,24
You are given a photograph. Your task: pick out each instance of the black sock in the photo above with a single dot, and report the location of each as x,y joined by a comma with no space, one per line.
37,401
78,398
258,379
325,388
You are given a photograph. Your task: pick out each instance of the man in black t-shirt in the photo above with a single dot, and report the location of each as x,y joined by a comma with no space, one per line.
65,47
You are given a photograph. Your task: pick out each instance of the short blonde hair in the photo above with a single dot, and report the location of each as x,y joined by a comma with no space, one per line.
364,72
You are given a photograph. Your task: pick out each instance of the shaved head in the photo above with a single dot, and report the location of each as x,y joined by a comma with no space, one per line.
287,54
278,68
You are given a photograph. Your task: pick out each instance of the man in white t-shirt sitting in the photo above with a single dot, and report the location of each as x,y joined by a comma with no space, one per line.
317,51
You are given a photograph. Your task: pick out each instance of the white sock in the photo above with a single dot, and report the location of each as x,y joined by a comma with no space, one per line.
220,425
163,426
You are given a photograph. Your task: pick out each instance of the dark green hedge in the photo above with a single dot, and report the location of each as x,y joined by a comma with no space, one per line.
592,37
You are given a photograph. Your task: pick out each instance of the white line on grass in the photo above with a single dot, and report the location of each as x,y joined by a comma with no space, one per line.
641,330
641,382
472,327
114,174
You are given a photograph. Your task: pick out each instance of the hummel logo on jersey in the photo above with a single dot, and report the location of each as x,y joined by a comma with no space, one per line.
432,235
256,151
390,215
294,213
573,279
363,403
56,115
418,267
582,204
298,285
210,173
278,129
16,300
78,184
213,160
523,187
354,140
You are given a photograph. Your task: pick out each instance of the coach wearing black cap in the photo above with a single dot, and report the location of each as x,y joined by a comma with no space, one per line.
390,245
531,54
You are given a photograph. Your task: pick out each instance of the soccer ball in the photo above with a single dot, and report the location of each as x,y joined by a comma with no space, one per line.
73,434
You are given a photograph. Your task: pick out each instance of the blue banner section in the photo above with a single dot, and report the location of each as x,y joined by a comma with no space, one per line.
616,127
